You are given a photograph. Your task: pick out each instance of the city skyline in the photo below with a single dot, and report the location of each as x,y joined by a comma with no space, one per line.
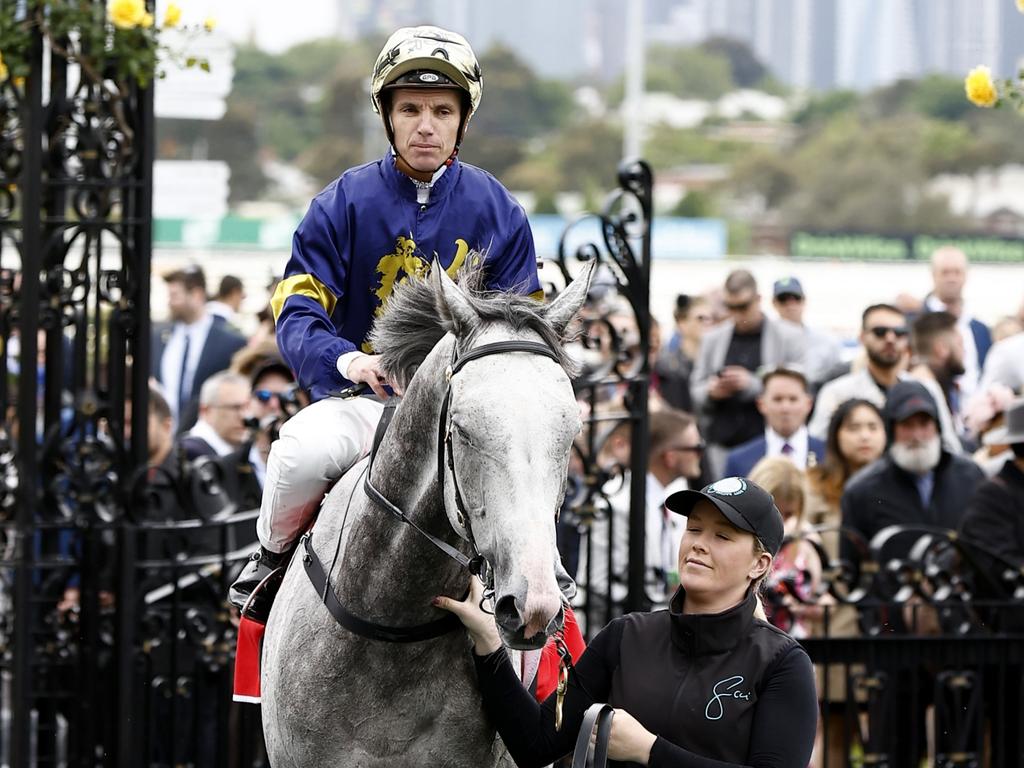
807,44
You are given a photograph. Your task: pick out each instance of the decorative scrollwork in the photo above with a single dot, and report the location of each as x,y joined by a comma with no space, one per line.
612,348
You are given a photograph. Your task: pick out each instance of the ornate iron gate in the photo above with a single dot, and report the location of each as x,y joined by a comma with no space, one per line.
76,164
115,638
601,531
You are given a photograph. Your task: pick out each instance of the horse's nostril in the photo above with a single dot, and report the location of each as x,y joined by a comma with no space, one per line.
507,615
556,623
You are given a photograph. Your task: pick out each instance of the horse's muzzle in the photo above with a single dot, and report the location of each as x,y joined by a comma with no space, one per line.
528,632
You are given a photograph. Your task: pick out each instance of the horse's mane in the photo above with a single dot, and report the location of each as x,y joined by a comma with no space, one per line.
411,323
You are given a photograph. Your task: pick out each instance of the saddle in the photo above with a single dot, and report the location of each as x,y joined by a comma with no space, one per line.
249,649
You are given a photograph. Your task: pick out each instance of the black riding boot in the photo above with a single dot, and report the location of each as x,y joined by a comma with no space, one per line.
261,565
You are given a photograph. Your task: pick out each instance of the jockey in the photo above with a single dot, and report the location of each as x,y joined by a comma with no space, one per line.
362,235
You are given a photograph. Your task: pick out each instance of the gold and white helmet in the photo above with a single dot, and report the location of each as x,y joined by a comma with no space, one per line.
427,57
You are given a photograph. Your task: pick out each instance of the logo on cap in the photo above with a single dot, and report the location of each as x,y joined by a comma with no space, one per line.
428,77
730,486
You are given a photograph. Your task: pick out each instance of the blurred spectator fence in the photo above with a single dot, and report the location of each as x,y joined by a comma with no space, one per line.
918,636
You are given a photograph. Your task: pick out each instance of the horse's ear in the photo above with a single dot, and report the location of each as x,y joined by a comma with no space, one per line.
563,309
456,313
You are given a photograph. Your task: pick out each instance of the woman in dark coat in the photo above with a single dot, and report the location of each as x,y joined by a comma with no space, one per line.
702,684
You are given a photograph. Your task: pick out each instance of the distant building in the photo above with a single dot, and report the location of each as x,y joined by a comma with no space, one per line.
809,44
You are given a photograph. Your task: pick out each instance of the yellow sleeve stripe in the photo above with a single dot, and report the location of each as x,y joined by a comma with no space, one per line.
538,295
302,285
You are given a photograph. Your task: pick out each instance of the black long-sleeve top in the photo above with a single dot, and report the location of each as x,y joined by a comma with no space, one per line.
717,690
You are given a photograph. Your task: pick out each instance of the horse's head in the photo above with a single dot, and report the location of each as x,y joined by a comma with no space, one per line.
513,417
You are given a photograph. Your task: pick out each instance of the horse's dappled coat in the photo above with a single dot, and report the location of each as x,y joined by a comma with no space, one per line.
333,698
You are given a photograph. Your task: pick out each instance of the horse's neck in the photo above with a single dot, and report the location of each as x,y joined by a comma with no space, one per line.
392,565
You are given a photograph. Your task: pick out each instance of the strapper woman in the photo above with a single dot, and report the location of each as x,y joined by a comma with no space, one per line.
701,684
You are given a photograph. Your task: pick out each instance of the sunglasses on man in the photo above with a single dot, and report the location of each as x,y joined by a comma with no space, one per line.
286,397
881,331
742,306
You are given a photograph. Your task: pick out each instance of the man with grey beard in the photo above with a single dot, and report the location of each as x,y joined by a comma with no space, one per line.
916,482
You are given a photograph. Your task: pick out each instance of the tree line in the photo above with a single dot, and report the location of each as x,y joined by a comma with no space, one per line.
844,160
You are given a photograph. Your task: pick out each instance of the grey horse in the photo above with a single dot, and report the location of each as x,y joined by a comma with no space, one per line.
334,698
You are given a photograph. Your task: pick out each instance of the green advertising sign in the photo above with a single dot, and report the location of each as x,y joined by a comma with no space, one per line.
849,246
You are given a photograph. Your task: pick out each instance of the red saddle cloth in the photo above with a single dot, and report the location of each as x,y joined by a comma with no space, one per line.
249,648
247,660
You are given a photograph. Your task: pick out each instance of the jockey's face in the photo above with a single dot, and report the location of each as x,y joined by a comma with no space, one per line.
426,124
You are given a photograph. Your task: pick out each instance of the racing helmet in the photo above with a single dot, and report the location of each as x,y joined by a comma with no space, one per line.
427,57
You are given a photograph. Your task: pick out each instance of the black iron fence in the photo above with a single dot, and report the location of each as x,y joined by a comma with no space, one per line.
918,636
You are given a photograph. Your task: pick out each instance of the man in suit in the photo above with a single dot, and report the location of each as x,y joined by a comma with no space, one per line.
949,275
673,462
224,406
193,346
725,385
785,405
228,301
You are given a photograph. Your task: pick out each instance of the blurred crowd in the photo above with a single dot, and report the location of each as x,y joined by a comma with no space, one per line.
920,424
740,379
218,395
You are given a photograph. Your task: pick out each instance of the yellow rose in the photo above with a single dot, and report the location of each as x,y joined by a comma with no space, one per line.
1020,5
126,14
147,21
173,15
210,23
981,91
3,68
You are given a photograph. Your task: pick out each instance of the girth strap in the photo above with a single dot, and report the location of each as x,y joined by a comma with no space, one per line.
315,571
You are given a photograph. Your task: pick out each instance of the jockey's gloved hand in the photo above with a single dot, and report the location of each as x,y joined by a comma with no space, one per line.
478,623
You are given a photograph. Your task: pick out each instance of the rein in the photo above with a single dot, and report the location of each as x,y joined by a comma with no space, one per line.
476,565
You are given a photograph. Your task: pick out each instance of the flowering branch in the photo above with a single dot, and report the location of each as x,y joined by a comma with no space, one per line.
985,91
116,43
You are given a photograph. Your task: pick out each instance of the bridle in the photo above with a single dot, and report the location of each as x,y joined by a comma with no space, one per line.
476,565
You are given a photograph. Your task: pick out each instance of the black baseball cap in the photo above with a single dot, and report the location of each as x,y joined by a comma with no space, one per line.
788,285
746,505
907,398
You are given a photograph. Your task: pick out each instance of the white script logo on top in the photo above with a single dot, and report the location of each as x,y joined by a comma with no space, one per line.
724,690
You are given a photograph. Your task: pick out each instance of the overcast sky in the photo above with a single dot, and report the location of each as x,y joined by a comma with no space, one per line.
275,25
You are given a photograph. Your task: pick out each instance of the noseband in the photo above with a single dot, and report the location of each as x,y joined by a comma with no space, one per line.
476,564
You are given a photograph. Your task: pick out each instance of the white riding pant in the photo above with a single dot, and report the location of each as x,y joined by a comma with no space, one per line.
315,447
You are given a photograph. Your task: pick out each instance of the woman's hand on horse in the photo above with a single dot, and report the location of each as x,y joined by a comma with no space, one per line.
365,369
480,625
629,741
